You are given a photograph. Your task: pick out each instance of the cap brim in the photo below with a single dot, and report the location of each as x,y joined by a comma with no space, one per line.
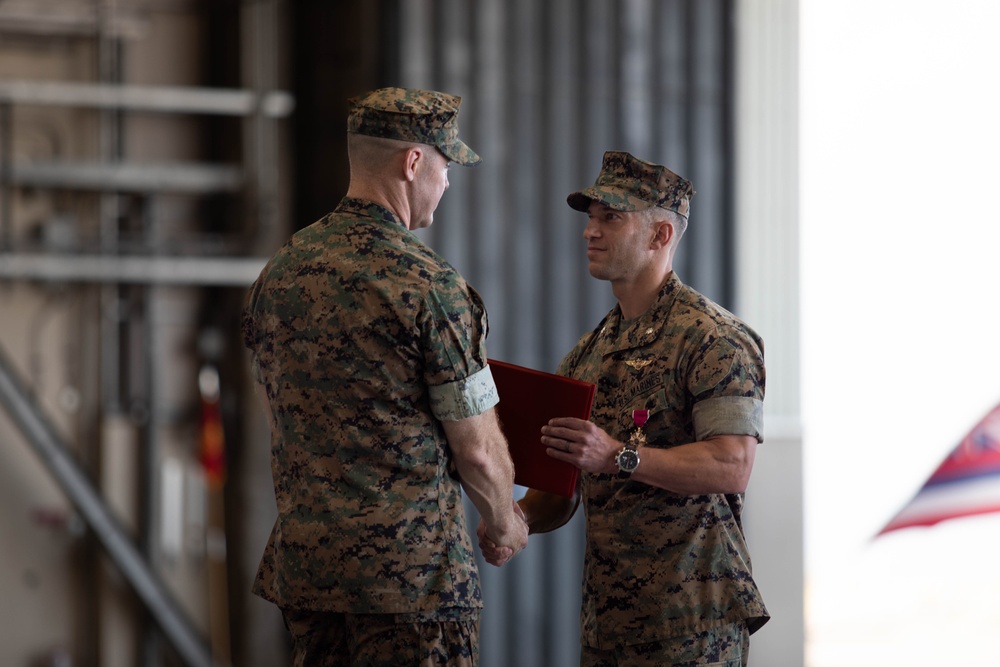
459,153
615,198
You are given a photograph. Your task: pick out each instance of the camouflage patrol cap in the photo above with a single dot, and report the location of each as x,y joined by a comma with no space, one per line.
627,183
408,114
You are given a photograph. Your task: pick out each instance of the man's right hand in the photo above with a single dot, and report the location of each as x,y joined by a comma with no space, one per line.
508,541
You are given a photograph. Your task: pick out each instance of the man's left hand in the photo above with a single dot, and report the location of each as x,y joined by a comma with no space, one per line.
581,443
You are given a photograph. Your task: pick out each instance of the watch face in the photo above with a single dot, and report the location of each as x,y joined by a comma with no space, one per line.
627,460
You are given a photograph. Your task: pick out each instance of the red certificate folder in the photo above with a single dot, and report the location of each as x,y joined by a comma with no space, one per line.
528,400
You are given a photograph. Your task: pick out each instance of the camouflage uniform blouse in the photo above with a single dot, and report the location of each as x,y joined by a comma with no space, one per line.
660,565
364,339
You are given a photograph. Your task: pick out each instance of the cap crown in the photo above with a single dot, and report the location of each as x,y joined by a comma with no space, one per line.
409,114
627,183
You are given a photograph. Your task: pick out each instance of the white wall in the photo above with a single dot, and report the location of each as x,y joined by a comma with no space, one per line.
768,298
900,231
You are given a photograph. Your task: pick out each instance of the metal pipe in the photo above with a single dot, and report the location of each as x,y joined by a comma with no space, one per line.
165,99
42,435
192,178
6,191
192,271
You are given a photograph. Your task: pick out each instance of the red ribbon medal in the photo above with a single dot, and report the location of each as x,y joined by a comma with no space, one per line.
639,417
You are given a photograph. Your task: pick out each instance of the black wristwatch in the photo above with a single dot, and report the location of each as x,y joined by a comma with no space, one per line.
627,459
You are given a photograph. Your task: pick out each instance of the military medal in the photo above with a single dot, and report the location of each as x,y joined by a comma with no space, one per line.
627,459
638,437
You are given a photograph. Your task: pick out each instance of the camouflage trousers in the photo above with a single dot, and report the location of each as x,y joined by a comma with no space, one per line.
722,646
449,638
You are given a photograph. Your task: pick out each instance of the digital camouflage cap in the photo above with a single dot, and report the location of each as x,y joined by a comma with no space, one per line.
627,183
409,114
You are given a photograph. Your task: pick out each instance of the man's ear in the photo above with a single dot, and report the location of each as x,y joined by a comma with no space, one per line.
664,233
411,162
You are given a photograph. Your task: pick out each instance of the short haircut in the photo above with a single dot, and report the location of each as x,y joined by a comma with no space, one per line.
372,153
678,221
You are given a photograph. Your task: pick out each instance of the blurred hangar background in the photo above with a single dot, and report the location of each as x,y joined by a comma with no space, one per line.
153,153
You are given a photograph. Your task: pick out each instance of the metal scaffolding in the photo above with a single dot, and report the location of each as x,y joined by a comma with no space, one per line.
113,264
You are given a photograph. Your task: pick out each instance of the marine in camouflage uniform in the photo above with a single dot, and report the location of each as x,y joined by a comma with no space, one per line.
667,577
368,346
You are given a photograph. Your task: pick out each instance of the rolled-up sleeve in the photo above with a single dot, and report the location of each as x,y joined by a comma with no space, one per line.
729,415
465,398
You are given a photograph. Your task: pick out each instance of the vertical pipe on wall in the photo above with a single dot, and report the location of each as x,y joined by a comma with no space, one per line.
6,188
598,131
488,220
115,609
563,260
726,36
634,76
259,22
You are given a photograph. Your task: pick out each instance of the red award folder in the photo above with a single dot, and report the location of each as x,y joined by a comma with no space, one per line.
528,400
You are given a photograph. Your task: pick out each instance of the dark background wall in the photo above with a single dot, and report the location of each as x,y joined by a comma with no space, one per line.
547,88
